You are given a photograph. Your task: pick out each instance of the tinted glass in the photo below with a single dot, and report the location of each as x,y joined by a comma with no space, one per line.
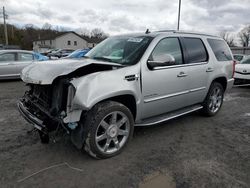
220,49
7,57
125,50
168,46
246,61
196,50
25,57
238,57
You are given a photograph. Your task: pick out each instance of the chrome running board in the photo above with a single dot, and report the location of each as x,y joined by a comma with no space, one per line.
168,116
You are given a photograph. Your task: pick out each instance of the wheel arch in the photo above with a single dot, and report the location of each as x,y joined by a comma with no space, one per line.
222,80
127,100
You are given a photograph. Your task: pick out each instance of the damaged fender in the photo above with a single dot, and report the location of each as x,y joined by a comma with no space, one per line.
96,87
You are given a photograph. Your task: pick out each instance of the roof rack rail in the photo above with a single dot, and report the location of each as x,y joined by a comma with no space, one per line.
170,30
187,32
195,33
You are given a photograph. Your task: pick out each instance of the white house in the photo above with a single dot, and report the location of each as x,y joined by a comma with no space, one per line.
68,40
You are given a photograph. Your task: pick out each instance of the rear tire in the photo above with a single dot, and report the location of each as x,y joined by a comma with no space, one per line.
109,126
214,99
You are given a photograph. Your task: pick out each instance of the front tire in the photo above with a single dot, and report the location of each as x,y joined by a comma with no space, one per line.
214,99
109,127
43,137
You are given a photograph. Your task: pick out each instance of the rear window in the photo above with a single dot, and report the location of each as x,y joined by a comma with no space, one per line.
238,57
220,49
25,57
195,49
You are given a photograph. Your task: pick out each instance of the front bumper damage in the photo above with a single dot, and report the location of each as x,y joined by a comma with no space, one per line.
32,119
48,117
41,120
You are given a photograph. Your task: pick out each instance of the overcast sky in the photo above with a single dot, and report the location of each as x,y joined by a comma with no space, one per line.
123,16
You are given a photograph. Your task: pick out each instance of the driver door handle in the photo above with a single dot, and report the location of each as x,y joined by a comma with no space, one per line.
182,74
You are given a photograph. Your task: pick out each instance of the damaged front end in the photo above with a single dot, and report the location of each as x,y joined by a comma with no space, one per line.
46,106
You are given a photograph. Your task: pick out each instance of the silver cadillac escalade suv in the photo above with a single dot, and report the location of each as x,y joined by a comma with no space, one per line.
126,81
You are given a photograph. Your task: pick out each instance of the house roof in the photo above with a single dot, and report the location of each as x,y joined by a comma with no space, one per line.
88,39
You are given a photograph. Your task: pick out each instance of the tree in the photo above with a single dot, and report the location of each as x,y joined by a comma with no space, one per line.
245,36
47,26
228,38
98,33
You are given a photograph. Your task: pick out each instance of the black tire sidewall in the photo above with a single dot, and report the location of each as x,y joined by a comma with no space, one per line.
206,111
93,119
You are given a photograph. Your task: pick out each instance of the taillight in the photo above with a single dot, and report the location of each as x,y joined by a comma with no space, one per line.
234,64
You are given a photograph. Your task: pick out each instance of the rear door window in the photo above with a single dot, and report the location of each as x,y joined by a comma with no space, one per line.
195,49
25,57
220,49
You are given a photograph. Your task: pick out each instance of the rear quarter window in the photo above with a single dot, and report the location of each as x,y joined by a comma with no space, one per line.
220,49
195,49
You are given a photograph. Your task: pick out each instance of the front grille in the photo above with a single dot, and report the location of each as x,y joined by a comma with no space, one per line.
41,95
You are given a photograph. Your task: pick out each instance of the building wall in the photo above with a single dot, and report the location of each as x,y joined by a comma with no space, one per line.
91,45
70,41
44,43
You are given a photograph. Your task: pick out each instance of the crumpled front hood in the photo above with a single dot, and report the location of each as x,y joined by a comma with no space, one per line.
44,72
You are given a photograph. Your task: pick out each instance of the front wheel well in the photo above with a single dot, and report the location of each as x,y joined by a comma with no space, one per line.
127,100
222,81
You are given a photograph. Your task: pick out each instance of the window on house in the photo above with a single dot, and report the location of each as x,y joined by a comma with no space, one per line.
50,42
69,42
75,43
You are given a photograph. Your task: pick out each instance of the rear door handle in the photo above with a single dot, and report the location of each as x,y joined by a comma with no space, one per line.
209,69
182,74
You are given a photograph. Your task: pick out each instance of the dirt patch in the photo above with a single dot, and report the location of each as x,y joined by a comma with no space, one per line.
159,180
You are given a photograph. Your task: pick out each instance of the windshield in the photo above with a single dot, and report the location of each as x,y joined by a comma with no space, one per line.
74,54
123,50
238,57
246,61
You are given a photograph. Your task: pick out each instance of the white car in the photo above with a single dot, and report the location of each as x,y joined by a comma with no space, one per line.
242,72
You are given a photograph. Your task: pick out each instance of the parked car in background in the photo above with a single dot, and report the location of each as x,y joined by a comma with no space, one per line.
242,72
60,53
49,51
126,81
40,57
239,57
13,61
78,53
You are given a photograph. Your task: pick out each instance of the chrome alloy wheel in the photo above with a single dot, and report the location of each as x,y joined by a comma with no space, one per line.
215,99
112,132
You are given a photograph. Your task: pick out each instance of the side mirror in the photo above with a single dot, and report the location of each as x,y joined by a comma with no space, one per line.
161,61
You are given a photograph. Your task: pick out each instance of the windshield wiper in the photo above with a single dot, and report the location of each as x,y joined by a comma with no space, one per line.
103,58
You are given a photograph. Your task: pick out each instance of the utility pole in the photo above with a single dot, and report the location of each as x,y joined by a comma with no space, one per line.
179,16
5,27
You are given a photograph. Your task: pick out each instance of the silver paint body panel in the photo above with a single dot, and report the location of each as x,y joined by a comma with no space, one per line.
155,91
